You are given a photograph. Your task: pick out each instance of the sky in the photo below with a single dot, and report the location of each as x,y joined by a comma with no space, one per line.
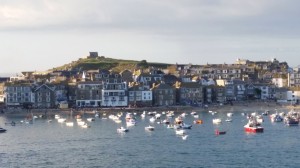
36,35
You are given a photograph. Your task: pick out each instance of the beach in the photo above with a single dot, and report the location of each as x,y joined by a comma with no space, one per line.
250,106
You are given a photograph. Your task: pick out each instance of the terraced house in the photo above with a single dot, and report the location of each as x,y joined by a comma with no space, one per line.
88,94
17,94
163,95
189,93
114,91
43,96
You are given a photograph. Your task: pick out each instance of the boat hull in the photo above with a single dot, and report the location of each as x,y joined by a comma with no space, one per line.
2,130
254,129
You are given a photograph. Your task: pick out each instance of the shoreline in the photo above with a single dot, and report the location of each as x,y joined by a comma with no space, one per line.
243,107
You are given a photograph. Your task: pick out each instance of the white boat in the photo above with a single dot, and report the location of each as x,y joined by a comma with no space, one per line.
149,128
228,120
90,119
217,121
85,125
180,132
80,123
131,122
122,129
183,115
196,116
61,120
166,121
157,116
152,119
57,116
70,123
229,114
193,112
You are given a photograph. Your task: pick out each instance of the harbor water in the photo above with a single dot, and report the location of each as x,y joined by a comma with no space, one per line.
53,144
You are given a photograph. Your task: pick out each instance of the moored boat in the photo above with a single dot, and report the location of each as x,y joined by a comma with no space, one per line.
217,132
229,114
290,121
180,131
149,128
2,130
252,126
276,118
228,120
186,126
122,129
217,121
254,129
198,122
90,119
70,123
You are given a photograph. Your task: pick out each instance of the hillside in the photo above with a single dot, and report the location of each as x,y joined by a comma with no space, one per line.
116,65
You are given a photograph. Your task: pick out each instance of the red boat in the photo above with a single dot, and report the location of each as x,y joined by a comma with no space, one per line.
253,128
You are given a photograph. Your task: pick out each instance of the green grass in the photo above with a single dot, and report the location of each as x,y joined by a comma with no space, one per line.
116,65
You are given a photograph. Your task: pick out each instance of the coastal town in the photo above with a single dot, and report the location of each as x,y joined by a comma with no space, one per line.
148,86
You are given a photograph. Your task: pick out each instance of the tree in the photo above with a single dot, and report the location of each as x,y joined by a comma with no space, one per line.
143,64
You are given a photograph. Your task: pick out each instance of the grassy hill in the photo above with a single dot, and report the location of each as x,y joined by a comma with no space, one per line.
116,65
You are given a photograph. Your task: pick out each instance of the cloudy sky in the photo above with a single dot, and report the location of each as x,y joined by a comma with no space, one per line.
41,34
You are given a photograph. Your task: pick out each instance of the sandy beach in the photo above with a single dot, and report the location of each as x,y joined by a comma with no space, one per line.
235,107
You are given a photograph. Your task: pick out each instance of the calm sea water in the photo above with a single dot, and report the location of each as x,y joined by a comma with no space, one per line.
44,144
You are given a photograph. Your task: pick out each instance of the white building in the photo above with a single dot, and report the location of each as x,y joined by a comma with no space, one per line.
280,82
